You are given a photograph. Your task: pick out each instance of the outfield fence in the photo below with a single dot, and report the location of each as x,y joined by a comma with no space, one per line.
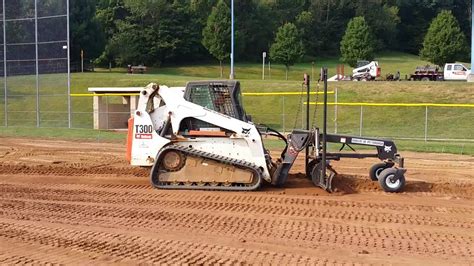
286,111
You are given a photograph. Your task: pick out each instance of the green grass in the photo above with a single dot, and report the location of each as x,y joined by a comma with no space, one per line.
283,113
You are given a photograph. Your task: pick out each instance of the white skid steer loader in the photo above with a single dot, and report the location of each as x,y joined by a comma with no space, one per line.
199,137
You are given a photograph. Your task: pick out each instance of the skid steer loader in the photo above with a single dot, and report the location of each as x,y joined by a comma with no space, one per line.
199,137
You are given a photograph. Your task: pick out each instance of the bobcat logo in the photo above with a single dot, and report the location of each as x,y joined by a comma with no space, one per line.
388,148
246,131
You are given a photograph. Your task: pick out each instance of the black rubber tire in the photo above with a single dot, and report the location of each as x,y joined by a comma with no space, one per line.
310,167
390,181
377,168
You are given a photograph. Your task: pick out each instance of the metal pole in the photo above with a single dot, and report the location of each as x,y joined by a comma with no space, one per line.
283,110
269,70
426,123
5,65
472,37
37,68
325,116
82,61
232,40
335,111
263,65
68,70
361,118
312,69
307,83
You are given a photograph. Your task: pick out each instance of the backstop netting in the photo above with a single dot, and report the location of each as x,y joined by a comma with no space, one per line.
34,79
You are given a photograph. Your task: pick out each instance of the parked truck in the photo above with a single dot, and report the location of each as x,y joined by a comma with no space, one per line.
451,71
456,71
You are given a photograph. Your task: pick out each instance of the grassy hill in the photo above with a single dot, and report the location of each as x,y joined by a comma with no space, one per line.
283,113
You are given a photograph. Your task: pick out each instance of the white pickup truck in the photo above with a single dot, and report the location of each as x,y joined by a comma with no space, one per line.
455,71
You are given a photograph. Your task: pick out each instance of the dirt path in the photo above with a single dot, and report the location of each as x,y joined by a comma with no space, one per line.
76,202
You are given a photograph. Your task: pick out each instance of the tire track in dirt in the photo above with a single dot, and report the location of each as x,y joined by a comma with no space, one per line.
366,212
346,184
304,233
70,170
135,248
144,195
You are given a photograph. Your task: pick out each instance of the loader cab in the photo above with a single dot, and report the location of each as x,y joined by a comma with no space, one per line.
220,96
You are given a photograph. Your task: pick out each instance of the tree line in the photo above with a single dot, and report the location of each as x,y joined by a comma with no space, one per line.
157,32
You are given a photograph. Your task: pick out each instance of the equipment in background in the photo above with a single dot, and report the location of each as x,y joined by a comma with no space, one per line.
426,73
201,138
364,71
456,72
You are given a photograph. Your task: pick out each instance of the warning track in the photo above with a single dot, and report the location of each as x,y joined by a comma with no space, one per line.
63,203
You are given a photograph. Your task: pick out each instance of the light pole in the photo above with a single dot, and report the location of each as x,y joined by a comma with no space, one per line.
232,40
470,78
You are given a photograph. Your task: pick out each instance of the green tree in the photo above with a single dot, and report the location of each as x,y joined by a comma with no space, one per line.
383,20
444,42
216,34
86,33
150,32
254,27
287,47
357,43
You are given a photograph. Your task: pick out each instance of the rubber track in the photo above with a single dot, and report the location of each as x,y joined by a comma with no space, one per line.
215,157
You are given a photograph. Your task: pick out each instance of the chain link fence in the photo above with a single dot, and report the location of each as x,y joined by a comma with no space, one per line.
34,79
284,113
411,122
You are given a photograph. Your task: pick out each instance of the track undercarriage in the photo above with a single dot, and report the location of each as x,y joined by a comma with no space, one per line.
180,167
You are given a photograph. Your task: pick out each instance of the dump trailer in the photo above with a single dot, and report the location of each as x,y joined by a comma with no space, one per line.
199,137
426,73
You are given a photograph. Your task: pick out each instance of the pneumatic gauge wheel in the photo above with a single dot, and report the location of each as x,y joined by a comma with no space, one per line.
391,180
376,169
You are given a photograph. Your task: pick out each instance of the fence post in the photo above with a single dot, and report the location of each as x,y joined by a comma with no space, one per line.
5,64
335,111
361,118
283,112
38,118
426,123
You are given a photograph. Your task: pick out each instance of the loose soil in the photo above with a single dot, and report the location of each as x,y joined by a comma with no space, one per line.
73,202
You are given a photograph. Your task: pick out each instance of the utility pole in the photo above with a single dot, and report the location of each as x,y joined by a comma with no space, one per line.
232,75
470,78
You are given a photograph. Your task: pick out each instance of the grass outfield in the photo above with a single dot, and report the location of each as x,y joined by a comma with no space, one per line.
283,113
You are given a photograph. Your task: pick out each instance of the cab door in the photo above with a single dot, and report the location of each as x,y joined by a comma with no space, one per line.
448,72
459,72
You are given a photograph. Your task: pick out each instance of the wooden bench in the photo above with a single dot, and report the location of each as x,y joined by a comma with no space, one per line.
137,69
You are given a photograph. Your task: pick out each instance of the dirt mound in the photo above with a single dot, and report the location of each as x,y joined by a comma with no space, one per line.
351,184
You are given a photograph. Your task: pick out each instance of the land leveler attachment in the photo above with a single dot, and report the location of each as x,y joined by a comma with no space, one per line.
390,172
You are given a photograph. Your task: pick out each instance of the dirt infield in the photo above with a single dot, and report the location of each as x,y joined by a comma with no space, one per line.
74,202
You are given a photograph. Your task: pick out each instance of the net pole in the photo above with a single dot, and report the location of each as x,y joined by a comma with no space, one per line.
68,68
36,67
5,64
